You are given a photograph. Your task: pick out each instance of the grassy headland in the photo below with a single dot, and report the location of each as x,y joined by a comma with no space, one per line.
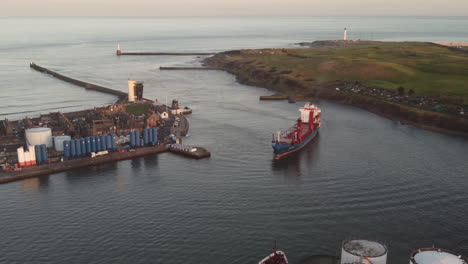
419,83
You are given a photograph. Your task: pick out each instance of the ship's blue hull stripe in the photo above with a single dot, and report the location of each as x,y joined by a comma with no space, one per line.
282,149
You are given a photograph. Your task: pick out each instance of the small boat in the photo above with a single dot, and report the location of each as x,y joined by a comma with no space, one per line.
186,111
303,132
277,257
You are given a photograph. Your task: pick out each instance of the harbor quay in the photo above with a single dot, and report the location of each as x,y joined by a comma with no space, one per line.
55,142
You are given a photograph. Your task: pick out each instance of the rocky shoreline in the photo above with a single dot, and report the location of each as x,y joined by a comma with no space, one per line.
340,91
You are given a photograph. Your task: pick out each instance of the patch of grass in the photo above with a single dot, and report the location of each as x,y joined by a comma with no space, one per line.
137,109
426,68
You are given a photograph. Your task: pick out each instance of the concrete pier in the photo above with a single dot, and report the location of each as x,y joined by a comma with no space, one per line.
86,85
189,151
51,168
188,68
165,53
273,97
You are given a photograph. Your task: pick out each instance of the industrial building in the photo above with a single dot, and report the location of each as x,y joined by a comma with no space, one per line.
56,136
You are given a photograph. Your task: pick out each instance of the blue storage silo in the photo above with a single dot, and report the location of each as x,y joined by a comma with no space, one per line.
150,136
78,147
109,142
145,136
66,148
44,153
93,144
142,142
88,144
37,150
132,138
98,144
137,137
72,148
83,146
155,135
103,142
152,139
114,141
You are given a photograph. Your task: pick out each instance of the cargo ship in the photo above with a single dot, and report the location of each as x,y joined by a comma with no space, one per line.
303,132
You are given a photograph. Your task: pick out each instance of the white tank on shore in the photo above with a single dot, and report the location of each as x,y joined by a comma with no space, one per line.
32,154
436,256
58,142
39,136
363,252
21,162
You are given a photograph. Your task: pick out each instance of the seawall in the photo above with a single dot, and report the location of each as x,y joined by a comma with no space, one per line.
164,53
51,168
86,85
188,68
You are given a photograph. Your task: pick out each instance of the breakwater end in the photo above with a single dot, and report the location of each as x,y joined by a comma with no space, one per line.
189,68
86,85
273,97
165,53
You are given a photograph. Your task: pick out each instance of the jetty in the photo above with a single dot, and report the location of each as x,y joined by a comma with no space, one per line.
165,53
274,97
189,151
120,53
86,85
188,68
30,172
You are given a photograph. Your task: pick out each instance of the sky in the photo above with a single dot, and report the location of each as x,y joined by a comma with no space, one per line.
233,7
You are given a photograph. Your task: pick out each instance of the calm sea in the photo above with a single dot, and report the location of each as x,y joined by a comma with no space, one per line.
364,177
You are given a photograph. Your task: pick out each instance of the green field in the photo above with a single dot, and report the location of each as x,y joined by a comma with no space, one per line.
137,109
425,68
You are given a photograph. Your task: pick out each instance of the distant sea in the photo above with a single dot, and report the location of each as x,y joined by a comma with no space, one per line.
83,47
364,177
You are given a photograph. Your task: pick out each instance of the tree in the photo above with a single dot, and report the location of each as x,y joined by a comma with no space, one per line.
401,90
411,92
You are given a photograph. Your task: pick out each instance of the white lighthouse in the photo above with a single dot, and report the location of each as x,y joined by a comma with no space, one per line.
345,35
131,90
119,51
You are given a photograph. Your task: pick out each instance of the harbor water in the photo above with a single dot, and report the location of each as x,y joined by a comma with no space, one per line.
364,176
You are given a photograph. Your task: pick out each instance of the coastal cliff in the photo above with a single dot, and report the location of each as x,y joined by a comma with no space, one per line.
397,80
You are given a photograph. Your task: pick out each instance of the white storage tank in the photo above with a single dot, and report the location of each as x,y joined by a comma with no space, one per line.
39,136
21,161
58,142
27,158
32,154
361,251
436,256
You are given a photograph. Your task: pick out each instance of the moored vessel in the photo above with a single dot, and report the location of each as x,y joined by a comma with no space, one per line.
296,137
277,257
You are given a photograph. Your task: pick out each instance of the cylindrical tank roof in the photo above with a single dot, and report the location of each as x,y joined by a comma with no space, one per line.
364,248
39,136
436,256
58,142
38,129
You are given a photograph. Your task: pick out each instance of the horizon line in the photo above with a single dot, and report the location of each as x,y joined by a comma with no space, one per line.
223,16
